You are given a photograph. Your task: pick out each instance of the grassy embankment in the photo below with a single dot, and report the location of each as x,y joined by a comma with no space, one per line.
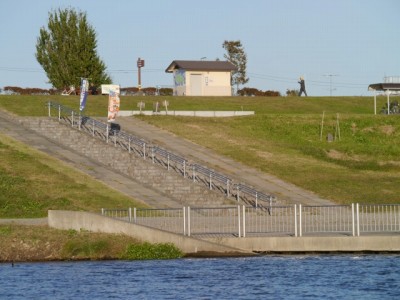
31,183
282,138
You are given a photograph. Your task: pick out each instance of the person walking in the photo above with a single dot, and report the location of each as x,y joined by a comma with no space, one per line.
302,86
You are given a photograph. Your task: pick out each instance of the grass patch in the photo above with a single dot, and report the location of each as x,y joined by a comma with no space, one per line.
33,182
146,251
41,243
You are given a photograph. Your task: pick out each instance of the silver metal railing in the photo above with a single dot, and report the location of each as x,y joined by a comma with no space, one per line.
164,158
249,221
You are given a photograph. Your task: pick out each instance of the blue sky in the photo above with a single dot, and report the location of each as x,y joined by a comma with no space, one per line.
339,46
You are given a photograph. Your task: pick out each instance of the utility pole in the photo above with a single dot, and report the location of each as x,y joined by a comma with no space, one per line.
330,80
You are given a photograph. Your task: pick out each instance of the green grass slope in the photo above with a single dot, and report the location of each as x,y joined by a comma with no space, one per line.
284,138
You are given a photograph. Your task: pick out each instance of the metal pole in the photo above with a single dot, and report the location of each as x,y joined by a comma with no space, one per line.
134,215
295,220
244,220
130,214
184,220
375,102
358,219
353,219
188,221
388,101
300,227
49,106
238,210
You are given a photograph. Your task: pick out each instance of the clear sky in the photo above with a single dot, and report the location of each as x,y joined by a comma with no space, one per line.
339,46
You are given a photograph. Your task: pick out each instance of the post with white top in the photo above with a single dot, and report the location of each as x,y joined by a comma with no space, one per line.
295,220
238,219
300,227
188,220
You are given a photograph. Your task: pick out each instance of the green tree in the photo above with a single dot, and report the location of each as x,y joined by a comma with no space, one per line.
236,55
67,50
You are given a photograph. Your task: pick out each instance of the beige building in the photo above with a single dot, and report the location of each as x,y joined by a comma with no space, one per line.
201,78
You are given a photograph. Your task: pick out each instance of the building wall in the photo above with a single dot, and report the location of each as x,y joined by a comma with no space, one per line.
212,83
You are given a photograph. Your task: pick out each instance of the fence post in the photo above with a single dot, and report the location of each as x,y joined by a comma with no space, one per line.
300,227
358,218
256,200
244,220
102,211
188,220
129,145
184,220
130,214
295,220
238,211
134,215
59,112
353,220
72,117
107,131
184,169
93,127
144,151
194,173
210,181
49,106
227,187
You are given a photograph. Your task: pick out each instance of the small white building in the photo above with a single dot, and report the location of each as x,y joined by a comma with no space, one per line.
201,78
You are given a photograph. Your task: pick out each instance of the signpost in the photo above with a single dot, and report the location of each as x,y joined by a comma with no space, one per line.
140,64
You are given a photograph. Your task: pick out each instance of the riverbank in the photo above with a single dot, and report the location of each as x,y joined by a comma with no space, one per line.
28,243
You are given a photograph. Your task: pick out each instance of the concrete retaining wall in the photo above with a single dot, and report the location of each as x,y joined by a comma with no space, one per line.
372,243
214,114
78,220
224,246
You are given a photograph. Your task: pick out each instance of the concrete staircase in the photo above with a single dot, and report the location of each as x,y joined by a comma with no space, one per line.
170,184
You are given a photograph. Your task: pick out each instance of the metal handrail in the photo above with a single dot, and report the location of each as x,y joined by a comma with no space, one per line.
120,137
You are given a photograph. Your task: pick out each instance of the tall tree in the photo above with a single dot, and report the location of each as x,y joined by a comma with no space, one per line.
67,50
236,55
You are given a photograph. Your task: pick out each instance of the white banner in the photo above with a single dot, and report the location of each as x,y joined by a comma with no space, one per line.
113,105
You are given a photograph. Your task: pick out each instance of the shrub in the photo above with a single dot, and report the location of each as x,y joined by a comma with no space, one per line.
151,251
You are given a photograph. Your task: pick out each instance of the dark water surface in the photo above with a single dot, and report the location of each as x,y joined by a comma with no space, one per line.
266,277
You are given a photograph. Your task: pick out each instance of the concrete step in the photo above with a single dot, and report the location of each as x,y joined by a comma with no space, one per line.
169,183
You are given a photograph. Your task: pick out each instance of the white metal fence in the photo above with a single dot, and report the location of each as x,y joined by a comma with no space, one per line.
245,221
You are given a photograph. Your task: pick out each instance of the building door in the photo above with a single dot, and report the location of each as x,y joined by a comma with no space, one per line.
195,85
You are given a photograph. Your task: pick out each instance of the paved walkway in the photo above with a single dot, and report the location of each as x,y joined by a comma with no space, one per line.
286,193
113,179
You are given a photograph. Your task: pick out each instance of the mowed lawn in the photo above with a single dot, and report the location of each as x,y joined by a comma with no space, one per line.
284,138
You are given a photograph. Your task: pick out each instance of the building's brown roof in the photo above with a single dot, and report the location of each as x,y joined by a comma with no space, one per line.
201,65
384,86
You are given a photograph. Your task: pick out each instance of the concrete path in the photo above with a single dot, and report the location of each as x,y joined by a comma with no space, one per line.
286,193
113,179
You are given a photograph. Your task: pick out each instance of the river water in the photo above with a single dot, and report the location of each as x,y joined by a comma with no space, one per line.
266,277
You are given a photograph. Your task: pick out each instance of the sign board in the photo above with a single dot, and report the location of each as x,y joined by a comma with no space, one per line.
105,88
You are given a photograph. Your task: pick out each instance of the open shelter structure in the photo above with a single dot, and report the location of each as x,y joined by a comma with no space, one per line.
390,85
201,78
